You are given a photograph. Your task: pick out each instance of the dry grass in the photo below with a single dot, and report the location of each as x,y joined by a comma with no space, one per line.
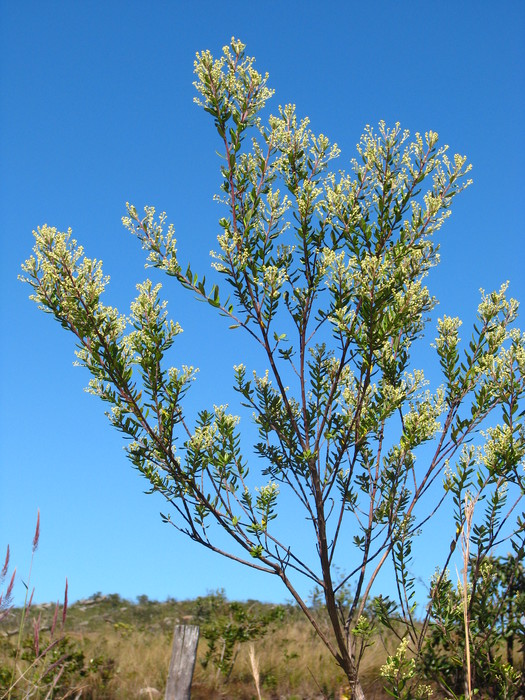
292,664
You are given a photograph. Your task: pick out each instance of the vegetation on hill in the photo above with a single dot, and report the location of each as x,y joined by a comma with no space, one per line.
115,649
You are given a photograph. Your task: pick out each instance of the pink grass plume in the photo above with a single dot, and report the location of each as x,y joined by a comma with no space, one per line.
6,565
64,610
5,599
9,591
37,532
30,600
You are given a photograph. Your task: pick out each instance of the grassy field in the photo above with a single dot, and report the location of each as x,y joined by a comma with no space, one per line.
108,648
119,650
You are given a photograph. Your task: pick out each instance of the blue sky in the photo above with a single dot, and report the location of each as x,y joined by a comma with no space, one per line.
96,110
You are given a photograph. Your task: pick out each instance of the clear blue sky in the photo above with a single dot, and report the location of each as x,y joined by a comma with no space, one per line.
96,109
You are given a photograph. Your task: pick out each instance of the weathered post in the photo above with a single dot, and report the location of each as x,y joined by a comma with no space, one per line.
183,655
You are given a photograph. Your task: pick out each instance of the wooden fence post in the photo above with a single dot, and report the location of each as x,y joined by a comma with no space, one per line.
183,655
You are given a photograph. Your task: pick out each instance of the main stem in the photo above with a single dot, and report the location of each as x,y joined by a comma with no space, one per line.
344,657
